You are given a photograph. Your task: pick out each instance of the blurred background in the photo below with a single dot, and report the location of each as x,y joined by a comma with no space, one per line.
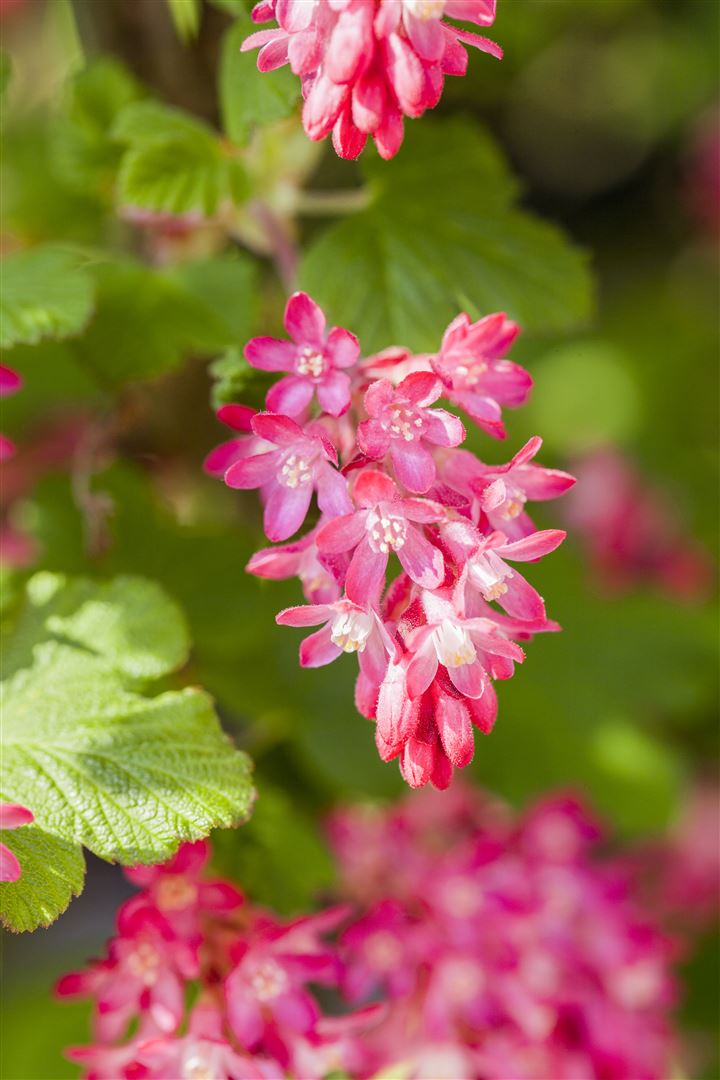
607,111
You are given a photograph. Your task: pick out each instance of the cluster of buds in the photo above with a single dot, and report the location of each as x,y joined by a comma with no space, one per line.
502,947
199,985
367,437
366,64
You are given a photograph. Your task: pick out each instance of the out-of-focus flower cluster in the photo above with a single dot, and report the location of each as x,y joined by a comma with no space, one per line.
396,494
366,64
505,948
199,984
631,532
477,947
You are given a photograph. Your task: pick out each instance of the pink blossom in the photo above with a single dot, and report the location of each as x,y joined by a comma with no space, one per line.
401,424
315,358
10,383
238,418
365,64
12,816
318,571
301,463
506,948
384,523
500,492
348,628
474,372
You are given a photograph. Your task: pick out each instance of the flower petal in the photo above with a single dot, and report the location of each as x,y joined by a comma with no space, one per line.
252,472
333,393
290,395
319,649
13,815
342,533
372,487
365,575
304,320
414,465
285,510
270,354
421,560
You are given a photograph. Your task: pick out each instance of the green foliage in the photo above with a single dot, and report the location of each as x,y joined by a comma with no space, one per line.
5,74
400,270
45,294
53,872
248,97
86,156
231,373
98,763
186,17
174,163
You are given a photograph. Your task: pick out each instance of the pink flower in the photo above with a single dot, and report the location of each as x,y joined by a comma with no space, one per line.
401,424
365,64
500,492
474,373
314,357
486,575
348,628
267,987
384,524
12,816
318,572
301,463
238,418
10,383
143,974
178,892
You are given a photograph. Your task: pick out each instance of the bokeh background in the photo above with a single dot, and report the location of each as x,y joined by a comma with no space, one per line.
607,111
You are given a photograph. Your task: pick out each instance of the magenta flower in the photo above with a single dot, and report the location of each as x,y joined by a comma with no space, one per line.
267,985
384,524
498,493
318,572
143,974
10,383
485,572
401,424
238,418
474,373
288,475
314,357
348,628
365,65
12,816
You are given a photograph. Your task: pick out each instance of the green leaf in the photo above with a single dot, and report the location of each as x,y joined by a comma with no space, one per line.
174,164
226,286
402,269
86,155
45,294
98,763
53,872
231,373
129,621
186,17
148,322
127,776
248,97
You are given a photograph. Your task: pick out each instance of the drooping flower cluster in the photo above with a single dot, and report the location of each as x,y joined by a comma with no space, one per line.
366,64
186,938
505,947
368,438
12,816
631,531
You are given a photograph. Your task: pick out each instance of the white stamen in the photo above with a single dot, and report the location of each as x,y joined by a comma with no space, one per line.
310,363
386,532
453,645
404,423
487,573
350,630
268,981
296,470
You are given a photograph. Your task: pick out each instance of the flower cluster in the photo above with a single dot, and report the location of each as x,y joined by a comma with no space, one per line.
186,938
366,64
505,948
368,438
630,530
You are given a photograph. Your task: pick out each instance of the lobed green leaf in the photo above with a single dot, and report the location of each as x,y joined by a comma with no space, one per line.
45,294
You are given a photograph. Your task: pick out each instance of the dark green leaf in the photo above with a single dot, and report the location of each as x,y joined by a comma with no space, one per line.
248,97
